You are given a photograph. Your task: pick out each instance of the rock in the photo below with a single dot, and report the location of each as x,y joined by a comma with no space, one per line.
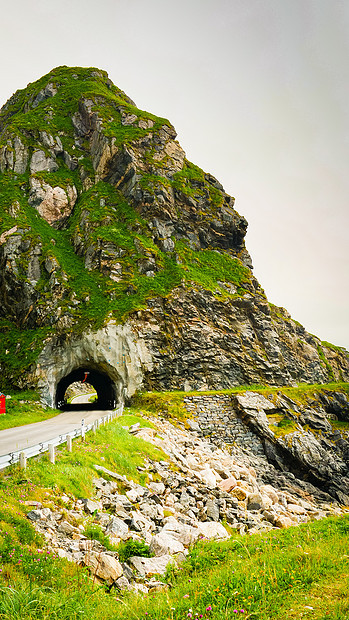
67,528
140,523
186,534
228,484
134,428
212,509
122,584
39,162
157,487
315,419
256,501
53,203
91,506
268,490
104,566
117,527
147,567
164,544
295,509
208,476
34,515
157,586
283,522
212,530
239,493
153,511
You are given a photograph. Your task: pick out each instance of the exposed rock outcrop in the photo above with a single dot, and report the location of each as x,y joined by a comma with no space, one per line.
106,222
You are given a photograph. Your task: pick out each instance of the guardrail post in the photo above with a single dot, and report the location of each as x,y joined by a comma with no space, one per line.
69,443
22,460
51,453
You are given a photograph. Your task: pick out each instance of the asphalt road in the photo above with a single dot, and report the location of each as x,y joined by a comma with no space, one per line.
19,437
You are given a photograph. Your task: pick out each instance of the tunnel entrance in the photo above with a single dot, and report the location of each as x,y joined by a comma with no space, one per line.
103,385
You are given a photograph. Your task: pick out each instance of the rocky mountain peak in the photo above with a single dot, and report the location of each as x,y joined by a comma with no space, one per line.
119,255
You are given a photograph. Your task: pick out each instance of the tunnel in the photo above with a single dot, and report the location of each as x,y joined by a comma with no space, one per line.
104,386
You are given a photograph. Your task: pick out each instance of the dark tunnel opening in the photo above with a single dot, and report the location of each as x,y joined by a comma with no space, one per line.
104,386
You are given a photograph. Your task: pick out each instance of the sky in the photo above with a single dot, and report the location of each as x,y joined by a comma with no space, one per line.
258,91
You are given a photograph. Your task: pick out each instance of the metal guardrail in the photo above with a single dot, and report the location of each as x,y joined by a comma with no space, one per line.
14,457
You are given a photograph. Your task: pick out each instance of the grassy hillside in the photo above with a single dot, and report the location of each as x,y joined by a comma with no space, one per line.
302,572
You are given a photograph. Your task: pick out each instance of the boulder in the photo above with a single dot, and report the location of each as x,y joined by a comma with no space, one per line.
208,477
240,493
212,530
296,509
157,487
147,567
228,484
164,544
257,501
186,534
283,521
91,506
117,527
212,509
104,566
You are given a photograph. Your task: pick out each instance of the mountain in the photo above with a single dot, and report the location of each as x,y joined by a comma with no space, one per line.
122,259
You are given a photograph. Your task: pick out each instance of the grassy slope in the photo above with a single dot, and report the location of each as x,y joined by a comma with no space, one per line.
270,576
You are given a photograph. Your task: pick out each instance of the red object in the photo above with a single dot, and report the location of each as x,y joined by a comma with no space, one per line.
86,375
2,403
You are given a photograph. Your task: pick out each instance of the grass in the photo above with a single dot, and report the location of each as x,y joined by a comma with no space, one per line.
297,573
25,408
113,447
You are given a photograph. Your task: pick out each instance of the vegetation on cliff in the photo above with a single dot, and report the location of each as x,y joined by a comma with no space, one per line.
103,217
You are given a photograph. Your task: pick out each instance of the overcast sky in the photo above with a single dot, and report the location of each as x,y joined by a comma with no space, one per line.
258,91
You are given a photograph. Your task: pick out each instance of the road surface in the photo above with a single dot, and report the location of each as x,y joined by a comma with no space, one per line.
20,437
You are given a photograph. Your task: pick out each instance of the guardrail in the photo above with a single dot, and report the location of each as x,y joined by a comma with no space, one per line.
26,453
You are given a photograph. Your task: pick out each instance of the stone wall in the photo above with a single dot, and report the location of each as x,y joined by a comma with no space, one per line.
278,436
218,420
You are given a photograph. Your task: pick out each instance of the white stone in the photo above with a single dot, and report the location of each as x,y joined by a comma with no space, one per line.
163,543
213,530
104,566
186,534
208,476
157,487
147,567
117,527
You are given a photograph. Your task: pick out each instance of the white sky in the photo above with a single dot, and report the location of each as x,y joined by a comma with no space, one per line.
258,91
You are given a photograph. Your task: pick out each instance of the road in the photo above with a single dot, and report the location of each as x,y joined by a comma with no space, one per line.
19,437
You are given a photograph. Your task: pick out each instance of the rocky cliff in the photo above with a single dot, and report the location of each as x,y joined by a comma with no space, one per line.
119,255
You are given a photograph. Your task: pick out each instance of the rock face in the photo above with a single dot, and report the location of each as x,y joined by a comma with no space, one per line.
109,230
283,436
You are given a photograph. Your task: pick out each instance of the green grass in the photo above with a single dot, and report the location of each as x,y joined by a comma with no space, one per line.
25,408
274,576
270,576
112,447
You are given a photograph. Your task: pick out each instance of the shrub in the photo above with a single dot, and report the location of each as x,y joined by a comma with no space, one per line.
133,547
